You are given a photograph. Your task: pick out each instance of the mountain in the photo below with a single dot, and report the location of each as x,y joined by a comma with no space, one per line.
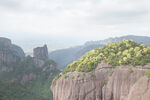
117,71
31,75
5,42
65,56
18,50
139,39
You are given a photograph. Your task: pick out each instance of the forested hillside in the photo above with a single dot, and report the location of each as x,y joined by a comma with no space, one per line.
118,53
25,78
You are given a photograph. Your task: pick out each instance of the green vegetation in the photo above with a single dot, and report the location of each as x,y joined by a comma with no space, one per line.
84,75
147,73
31,78
92,75
117,53
111,73
73,77
14,91
58,76
104,83
78,75
94,91
130,70
39,86
65,77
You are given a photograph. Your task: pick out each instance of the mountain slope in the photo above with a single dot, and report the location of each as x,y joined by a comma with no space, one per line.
117,71
34,74
6,43
66,56
13,91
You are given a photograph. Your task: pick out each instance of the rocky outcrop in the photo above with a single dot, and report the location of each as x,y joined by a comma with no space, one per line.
6,53
140,90
41,52
4,42
104,83
33,73
18,50
9,53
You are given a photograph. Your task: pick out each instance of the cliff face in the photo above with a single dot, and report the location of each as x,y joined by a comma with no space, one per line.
18,50
41,52
104,83
33,73
9,53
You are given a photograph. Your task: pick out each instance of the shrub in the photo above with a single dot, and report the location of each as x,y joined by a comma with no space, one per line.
92,75
147,73
130,70
103,83
84,75
58,76
110,73
117,53
65,76
78,75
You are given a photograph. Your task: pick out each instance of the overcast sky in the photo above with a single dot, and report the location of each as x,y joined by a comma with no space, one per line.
65,23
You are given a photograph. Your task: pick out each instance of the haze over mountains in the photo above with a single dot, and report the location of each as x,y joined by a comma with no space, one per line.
65,56
29,78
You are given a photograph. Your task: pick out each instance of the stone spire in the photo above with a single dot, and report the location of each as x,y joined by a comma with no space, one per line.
41,52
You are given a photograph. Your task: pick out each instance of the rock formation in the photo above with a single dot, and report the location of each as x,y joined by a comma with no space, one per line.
4,42
9,53
41,52
103,83
33,73
18,50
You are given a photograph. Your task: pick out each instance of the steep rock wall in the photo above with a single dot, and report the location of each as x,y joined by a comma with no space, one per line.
104,83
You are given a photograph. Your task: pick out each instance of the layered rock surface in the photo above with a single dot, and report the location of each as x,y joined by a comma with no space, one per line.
9,53
41,52
104,83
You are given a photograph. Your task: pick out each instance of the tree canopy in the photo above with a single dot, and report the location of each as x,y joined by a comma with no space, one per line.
118,53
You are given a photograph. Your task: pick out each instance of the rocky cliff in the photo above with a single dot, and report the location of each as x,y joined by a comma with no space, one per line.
32,74
9,53
41,52
104,83
117,71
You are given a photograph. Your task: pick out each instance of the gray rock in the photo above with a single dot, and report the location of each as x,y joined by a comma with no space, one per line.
41,52
104,83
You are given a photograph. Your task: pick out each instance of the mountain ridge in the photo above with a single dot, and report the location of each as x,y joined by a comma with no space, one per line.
71,54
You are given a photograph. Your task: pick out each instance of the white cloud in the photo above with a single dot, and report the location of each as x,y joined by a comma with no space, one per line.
78,19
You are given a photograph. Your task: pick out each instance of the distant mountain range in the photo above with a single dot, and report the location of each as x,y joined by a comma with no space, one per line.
63,57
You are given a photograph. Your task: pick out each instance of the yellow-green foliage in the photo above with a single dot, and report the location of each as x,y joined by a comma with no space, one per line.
58,76
130,70
147,73
117,53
